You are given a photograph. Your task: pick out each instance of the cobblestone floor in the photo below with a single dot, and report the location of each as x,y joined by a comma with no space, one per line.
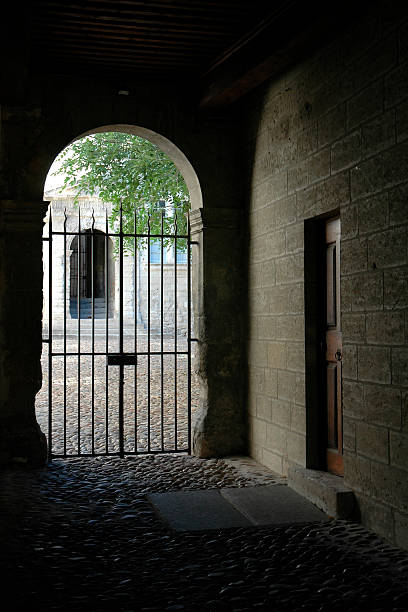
81,535
155,397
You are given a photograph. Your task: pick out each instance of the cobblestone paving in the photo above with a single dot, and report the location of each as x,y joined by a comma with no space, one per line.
159,428
81,535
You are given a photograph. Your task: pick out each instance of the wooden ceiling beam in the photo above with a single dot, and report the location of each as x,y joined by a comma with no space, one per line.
296,32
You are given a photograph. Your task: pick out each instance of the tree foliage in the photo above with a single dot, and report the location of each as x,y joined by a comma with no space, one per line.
131,173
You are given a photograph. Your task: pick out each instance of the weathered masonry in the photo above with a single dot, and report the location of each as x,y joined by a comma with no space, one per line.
295,154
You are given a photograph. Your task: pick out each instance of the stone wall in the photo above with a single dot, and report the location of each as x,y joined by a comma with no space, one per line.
331,136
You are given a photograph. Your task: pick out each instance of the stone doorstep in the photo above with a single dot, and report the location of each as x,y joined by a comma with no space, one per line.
234,507
325,490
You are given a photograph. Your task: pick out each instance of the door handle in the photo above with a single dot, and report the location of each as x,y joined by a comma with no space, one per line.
338,355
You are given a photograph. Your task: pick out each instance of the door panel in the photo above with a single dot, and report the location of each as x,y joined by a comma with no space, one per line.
333,352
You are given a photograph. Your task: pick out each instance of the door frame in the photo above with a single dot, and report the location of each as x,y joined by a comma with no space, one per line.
315,313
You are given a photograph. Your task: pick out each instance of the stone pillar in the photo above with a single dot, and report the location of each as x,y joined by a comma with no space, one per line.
21,273
218,276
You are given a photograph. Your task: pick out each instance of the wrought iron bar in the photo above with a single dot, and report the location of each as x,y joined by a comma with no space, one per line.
93,333
121,367
175,332
106,331
189,332
135,280
96,353
50,337
161,331
65,332
148,334
79,329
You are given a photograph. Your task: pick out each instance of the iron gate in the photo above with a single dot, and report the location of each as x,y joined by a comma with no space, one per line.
117,335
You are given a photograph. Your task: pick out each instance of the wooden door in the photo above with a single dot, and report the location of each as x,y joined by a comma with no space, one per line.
333,346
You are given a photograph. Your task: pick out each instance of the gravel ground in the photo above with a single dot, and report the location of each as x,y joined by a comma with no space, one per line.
81,535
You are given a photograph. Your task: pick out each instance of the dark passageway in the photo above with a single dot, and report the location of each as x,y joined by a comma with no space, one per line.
83,536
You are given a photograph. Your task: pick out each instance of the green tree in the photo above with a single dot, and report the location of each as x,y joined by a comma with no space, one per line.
131,173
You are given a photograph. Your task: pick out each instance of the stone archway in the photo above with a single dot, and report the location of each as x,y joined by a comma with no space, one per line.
220,427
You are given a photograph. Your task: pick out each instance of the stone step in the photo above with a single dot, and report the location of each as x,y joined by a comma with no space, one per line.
325,490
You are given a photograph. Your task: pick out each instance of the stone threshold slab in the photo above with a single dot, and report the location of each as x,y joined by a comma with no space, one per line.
239,507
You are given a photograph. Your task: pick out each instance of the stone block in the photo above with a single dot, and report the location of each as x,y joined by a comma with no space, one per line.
325,490
266,327
285,211
353,398
296,448
376,516
404,413
401,530
385,327
298,419
269,190
319,166
349,362
378,59
353,327
255,276
258,353
353,256
382,405
258,431
295,238
357,472
349,434
402,121
263,407
266,219
367,291
373,214
378,134
374,364
396,86
290,269
399,450
257,248
256,380
349,222
290,327
276,439
395,164
387,248
372,442
332,125
367,177
281,413
324,197
400,366
277,355
286,385
390,485
279,299
346,152
307,141
271,382
295,356
398,198
300,395
268,273
366,104
298,176
275,244
272,461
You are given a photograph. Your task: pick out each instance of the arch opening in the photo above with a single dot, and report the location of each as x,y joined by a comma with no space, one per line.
130,307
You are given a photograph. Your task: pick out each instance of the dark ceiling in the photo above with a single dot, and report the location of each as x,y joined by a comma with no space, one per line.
217,49
159,38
